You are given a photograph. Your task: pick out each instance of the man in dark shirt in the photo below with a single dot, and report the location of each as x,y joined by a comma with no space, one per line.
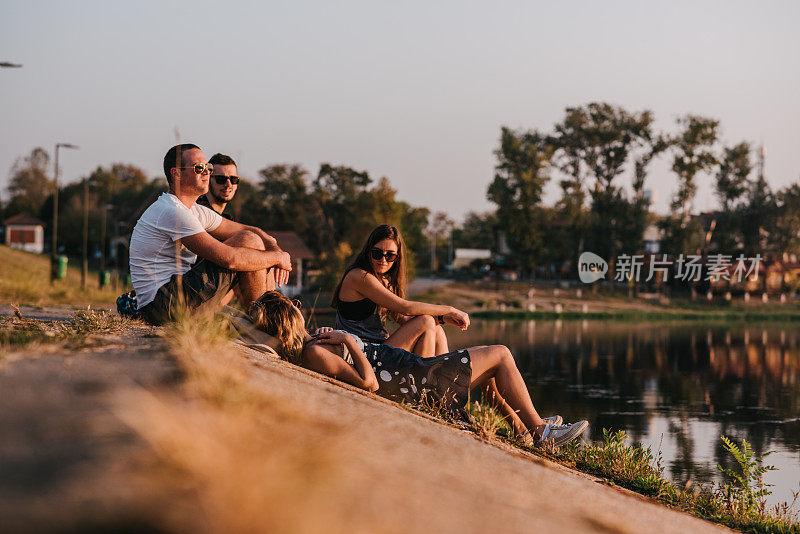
222,185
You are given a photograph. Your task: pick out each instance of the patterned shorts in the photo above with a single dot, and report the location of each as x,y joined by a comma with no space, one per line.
440,382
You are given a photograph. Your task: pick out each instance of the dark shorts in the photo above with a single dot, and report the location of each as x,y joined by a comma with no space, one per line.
441,382
201,288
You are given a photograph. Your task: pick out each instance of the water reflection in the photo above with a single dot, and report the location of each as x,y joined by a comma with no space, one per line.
674,386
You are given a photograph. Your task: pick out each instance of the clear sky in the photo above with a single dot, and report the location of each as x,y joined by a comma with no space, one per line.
414,91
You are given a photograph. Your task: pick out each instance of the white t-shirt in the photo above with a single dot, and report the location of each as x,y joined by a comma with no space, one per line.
153,251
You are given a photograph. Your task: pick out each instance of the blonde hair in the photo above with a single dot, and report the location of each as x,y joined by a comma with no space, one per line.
277,316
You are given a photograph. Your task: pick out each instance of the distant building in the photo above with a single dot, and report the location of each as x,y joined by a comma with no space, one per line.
652,239
465,256
290,242
25,232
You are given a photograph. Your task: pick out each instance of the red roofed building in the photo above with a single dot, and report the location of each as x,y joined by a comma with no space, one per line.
290,242
25,232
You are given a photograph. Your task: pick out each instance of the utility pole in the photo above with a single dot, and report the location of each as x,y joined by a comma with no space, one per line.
103,216
55,210
85,263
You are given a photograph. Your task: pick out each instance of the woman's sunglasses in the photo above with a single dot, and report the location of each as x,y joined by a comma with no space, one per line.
200,168
297,303
220,179
377,254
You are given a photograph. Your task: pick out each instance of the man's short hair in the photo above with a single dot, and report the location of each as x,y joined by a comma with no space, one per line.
172,157
221,159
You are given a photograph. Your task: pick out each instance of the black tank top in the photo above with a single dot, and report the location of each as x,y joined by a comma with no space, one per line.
356,310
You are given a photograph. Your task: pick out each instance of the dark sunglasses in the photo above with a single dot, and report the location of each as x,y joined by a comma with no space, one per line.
220,179
297,303
200,168
377,254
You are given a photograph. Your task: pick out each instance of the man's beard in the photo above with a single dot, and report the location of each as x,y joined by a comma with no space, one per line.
216,198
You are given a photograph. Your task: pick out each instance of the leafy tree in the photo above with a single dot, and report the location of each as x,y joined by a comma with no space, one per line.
439,230
786,230
599,141
570,223
414,221
692,154
281,200
29,186
477,231
758,217
523,160
731,185
332,213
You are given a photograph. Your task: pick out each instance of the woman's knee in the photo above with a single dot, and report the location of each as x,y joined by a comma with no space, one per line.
503,354
424,323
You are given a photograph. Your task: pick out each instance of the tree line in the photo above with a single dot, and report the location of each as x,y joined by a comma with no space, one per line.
333,211
600,154
593,149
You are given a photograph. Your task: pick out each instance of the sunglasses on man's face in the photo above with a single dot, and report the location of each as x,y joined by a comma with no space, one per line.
220,179
200,168
377,254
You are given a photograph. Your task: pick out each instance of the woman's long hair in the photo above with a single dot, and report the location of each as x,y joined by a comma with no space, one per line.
396,275
277,316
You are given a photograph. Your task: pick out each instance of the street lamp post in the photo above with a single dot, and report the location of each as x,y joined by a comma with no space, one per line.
55,210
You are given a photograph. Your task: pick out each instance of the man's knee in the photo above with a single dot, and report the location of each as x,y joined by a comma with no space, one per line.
246,238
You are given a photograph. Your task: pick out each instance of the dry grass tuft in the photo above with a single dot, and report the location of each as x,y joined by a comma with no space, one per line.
20,331
486,421
255,465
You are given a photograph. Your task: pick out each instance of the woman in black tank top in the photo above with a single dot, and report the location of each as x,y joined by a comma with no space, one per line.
373,288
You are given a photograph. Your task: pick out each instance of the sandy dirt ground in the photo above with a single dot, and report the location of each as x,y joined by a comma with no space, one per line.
344,460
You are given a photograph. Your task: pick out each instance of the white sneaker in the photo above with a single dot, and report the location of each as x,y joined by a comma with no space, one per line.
558,435
553,420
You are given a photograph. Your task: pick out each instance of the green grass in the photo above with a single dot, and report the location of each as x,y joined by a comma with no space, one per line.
25,280
738,503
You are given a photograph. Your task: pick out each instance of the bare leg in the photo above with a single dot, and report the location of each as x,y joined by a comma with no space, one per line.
252,284
441,342
496,361
409,335
425,345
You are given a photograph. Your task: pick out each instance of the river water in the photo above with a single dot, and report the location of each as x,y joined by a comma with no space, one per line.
676,387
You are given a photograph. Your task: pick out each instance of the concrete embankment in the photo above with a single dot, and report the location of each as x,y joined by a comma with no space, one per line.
106,436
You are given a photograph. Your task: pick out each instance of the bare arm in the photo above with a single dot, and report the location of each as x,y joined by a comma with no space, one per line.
235,258
320,356
367,285
228,228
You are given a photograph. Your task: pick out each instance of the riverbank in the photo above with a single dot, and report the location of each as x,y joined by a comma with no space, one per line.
180,431
517,300
198,437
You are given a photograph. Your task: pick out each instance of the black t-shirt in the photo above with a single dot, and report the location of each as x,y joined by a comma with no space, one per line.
203,201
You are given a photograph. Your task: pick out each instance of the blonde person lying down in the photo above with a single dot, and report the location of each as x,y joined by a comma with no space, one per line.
400,375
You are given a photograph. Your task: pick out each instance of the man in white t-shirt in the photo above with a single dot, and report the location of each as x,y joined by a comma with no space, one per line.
183,255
